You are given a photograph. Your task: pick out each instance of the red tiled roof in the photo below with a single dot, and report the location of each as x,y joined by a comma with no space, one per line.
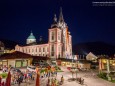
17,55
14,55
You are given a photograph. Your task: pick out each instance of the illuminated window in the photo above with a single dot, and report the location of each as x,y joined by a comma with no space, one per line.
52,53
43,49
52,48
39,49
52,36
36,49
32,50
58,35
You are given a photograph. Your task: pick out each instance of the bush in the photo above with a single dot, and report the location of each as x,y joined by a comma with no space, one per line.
4,75
103,75
57,68
42,71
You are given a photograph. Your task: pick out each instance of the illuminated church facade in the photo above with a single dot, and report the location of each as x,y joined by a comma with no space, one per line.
59,43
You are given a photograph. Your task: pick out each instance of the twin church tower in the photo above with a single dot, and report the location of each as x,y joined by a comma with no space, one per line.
59,43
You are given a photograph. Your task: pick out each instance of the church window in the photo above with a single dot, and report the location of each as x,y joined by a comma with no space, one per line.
36,49
52,35
32,50
58,35
39,49
52,48
43,49
29,50
30,41
52,53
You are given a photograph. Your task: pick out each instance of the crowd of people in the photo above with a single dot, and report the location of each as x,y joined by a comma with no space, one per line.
48,72
51,75
27,76
18,78
55,82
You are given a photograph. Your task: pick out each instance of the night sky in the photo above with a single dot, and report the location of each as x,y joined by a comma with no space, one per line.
87,23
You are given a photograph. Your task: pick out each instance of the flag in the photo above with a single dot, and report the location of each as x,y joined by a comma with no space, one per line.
0,80
38,79
8,79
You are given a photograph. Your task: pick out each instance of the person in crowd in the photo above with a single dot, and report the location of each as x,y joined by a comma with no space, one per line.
12,79
15,80
48,84
33,76
52,82
19,81
3,84
62,79
80,80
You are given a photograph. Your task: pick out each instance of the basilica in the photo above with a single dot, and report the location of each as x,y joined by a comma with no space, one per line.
59,43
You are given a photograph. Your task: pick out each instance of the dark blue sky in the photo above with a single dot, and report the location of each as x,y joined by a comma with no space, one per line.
86,23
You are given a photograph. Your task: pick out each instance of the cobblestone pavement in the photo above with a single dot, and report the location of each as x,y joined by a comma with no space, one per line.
89,79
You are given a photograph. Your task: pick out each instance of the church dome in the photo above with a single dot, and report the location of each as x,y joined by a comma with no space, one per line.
31,36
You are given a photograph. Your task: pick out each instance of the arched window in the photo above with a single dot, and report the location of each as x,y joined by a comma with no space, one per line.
28,50
43,49
58,35
32,50
52,36
52,50
39,49
36,49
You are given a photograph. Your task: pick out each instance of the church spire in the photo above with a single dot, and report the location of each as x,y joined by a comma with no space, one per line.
61,22
55,18
61,19
54,22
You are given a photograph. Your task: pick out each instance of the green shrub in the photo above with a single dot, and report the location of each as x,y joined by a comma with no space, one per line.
103,75
42,71
4,75
113,81
57,68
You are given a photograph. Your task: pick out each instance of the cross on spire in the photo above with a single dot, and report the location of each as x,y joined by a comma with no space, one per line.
61,19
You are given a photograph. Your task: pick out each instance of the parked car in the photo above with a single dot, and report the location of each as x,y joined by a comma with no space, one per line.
31,68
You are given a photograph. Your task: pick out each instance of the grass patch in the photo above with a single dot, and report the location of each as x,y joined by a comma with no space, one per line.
104,76
4,75
113,81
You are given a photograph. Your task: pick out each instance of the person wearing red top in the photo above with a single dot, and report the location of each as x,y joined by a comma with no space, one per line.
0,80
